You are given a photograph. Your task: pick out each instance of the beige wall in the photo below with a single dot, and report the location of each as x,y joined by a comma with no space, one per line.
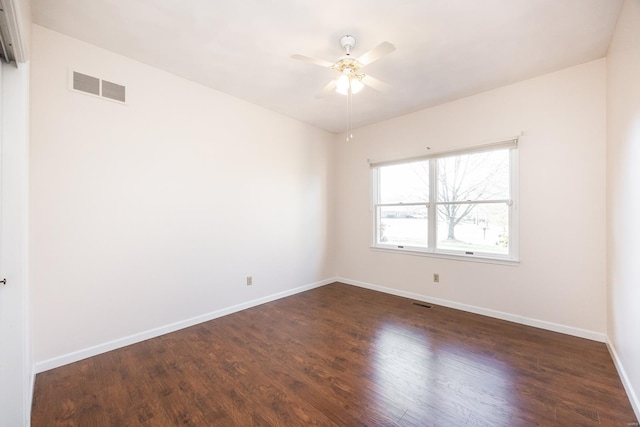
560,281
153,213
623,191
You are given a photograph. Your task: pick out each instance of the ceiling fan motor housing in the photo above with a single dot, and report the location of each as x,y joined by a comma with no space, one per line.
347,42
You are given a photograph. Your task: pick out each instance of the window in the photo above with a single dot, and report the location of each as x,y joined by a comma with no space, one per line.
459,204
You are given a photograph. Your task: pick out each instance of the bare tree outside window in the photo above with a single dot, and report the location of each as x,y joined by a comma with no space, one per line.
470,178
454,204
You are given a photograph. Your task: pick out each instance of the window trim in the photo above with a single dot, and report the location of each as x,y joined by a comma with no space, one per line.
508,143
513,257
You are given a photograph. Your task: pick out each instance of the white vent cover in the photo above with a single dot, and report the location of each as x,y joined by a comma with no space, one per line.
85,83
95,86
113,91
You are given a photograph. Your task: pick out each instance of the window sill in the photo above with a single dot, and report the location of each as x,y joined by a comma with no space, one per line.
469,258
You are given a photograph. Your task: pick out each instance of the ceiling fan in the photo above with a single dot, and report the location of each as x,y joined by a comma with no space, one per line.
350,79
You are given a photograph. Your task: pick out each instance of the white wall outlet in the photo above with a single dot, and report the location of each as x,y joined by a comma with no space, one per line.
249,280
436,277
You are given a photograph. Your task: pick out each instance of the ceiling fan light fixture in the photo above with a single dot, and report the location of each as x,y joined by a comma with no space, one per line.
350,81
344,81
342,84
356,85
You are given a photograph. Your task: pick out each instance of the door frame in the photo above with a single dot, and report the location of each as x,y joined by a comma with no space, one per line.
16,364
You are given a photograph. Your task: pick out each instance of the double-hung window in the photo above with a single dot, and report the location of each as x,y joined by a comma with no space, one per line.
459,203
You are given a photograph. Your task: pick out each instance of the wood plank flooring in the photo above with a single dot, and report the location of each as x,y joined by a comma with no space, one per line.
341,355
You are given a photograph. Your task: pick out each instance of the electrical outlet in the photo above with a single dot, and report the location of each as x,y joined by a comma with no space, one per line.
249,280
436,277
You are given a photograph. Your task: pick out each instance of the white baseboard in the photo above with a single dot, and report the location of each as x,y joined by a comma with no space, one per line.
65,359
568,330
142,336
633,397
75,356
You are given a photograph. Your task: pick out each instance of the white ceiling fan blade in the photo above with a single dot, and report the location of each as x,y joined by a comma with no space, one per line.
376,84
328,89
310,60
376,53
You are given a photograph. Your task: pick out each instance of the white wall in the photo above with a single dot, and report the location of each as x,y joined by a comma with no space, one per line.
623,201
560,281
154,213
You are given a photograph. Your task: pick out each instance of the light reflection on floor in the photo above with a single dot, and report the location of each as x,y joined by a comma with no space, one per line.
452,379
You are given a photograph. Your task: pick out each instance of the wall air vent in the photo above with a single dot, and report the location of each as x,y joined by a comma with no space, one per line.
420,304
85,83
113,91
95,86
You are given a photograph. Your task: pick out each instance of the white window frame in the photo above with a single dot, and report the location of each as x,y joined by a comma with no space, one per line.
432,205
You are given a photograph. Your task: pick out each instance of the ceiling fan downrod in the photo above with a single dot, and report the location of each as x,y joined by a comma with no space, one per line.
347,42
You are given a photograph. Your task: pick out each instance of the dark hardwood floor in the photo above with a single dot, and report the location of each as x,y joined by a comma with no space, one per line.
341,355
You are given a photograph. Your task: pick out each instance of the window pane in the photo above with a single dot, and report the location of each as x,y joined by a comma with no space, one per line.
474,228
402,225
472,177
404,183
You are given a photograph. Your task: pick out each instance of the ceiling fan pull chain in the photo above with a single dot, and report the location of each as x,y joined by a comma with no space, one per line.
349,113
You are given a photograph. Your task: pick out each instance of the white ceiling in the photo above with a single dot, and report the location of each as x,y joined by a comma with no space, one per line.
446,49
